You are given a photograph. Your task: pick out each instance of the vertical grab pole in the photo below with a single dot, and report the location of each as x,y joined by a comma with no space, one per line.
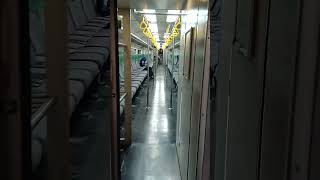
154,65
148,82
165,63
152,58
157,59
171,86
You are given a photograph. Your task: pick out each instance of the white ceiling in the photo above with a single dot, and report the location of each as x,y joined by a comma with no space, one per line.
153,4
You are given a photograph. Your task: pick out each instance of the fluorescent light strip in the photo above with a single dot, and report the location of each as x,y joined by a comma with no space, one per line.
171,18
174,12
150,18
149,10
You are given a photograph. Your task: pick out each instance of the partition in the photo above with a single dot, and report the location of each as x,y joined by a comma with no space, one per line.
14,76
190,91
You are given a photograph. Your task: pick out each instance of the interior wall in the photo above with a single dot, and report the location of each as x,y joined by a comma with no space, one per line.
240,88
256,92
204,155
219,105
184,108
279,92
190,90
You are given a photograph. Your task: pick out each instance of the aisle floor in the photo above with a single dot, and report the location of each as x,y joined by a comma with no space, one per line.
152,155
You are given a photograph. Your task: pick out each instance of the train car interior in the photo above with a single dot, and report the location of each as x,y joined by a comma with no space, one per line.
160,90
155,93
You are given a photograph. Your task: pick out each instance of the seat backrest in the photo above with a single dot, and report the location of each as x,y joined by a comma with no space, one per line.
77,14
89,9
71,25
36,30
33,61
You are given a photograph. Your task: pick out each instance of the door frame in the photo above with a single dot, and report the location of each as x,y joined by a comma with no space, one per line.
304,159
114,81
15,109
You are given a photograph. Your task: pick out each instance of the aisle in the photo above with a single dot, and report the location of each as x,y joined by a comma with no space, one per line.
152,156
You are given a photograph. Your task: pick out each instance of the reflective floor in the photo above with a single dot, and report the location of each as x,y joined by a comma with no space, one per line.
152,156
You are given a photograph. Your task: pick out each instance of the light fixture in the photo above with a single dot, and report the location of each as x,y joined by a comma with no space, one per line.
149,11
174,12
172,18
150,18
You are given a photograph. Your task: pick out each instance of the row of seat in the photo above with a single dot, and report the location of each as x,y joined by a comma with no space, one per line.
88,53
138,75
88,49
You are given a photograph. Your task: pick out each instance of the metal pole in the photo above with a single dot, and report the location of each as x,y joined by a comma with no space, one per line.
153,65
156,67
166,63
170,108
148,82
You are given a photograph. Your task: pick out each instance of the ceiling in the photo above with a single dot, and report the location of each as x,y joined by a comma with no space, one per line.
160,7
161,22
153,4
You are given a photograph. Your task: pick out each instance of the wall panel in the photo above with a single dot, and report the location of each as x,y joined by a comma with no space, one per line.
198,77
190,91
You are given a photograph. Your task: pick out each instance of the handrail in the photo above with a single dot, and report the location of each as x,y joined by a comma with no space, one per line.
122,45
122,97
133,36
38,116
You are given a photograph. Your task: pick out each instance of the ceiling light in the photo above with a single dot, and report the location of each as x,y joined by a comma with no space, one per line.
149,10
150,18
172,18
173,11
